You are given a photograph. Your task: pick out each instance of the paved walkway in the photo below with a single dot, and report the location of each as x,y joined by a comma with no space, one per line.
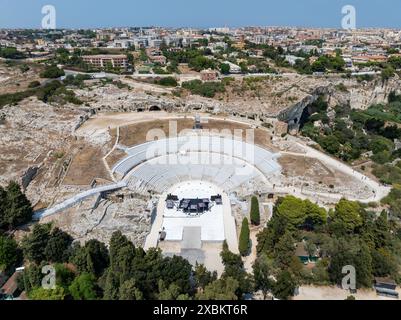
380,191
336,293
230,229
153,237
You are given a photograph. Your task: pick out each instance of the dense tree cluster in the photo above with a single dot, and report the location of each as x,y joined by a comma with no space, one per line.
15,211
355,132
351,133
46,244
52,72
122,271
349,234
300,213
11,53
195,58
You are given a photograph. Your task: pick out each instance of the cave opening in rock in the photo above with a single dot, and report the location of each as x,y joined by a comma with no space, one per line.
154,108
316,110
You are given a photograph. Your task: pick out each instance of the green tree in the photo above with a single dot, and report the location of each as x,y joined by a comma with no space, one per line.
11,53
271,235
382,231
310,248
293,209
202,276
64,276
3,205
255,213
47,294
351,251
10,255
320,272
285,286
347,216
57,246
129,291
261,274
34,244
244,240
234,268
117,241
384,263
284,251
177,270
387,73
168,82
225,68
171,292
199,63
84,287
315,215
330,144
30,278
92,258
52,72
17,209
221,289
111,285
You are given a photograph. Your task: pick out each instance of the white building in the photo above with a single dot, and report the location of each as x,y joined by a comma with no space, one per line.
233,67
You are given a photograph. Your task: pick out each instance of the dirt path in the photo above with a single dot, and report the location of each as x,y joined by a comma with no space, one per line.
335,293
250,259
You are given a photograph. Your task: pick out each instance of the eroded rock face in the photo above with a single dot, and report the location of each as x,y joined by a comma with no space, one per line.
99,218
354,94
34,138
283,97
28,176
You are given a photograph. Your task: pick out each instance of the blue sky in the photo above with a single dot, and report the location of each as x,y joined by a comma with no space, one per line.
199,13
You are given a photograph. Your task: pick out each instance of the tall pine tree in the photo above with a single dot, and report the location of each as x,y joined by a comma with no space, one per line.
17,209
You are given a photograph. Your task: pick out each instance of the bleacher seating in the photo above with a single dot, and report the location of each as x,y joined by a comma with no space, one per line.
157,165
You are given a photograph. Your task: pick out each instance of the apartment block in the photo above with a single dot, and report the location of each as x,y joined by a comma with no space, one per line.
119,61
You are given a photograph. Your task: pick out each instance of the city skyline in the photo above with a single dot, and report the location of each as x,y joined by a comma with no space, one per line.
292,13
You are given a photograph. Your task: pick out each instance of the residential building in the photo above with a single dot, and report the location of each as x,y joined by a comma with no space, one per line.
208,75
233,67
119,61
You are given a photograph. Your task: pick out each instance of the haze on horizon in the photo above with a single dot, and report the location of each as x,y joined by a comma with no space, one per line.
199,13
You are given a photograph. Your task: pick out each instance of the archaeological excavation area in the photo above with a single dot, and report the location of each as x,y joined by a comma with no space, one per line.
116,171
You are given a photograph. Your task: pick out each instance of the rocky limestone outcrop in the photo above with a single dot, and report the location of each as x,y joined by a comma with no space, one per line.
350,92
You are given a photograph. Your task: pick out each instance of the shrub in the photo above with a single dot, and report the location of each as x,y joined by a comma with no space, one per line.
207,89
11,53
168,82
52,72
34,84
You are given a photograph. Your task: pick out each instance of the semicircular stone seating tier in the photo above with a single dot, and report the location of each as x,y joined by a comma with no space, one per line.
227,162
